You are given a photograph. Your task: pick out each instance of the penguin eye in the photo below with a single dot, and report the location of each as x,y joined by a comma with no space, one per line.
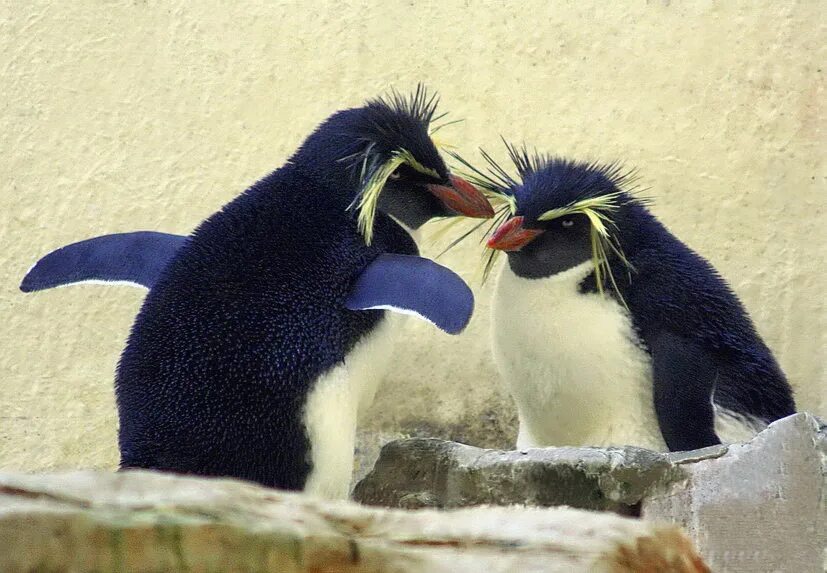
567,223
395,175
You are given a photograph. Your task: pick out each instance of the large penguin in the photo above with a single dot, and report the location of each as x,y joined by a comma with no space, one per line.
264,334
607,329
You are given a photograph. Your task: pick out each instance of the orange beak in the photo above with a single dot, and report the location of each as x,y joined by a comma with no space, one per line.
512,236
463,198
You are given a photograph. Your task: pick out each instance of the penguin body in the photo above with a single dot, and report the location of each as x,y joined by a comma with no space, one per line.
245,324
264,334
658,352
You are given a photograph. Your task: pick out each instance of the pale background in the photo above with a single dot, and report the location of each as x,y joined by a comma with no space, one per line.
120,116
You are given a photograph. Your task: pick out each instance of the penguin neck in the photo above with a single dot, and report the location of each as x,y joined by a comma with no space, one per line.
573,275
414,233
344,193
393,236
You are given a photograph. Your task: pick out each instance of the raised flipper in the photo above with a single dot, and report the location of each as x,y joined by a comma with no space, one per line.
136,259
417,286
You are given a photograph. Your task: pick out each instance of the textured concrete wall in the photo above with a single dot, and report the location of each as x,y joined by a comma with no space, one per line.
151,115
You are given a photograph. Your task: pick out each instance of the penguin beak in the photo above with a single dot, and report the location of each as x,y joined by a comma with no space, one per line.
512,236
463,198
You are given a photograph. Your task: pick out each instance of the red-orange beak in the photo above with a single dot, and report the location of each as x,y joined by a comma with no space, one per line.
463,198
512,236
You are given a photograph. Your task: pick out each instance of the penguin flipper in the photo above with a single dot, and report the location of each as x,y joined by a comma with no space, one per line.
131,258
414,285
683,376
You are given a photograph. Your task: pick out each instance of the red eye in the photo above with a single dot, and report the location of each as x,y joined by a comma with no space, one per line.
567,223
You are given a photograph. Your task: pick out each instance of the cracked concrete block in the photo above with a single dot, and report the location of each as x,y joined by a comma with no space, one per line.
757,506
150,522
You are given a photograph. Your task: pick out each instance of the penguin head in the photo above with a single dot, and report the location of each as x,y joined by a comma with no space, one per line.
558,214
383,156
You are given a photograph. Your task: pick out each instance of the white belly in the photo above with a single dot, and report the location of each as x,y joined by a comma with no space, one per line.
573,364
335,403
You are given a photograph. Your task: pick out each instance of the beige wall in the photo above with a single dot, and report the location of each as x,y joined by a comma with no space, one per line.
150,115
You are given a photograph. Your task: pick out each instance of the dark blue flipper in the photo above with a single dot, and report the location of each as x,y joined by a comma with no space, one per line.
683,377
414,285
137,258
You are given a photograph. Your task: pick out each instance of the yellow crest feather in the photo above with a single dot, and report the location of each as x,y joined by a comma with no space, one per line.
369,196
597,210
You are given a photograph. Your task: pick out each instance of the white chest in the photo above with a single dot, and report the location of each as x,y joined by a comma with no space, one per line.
334,405
573,364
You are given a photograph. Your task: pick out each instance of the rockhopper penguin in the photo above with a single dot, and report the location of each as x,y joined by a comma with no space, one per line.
264,333
607,329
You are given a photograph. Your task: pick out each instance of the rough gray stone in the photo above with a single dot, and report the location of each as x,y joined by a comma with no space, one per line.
492,426
366,452
758,506
435,473
148,522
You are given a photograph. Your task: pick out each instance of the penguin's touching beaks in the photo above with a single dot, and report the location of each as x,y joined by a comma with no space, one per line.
607,329
267,330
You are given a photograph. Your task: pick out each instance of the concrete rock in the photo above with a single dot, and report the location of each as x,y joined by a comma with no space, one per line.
761,506
143,521
435,473
757,506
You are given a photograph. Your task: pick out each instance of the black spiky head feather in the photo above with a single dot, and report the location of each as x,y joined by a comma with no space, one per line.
545,188
544,184
359,148
398,122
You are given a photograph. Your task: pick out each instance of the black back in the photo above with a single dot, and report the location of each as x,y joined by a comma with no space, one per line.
672,289
228,343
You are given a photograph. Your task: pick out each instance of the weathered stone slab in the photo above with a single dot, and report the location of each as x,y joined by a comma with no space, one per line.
761,506
434,473
758,506
148,522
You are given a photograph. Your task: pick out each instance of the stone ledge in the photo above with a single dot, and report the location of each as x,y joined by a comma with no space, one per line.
425,472
757,506
144,521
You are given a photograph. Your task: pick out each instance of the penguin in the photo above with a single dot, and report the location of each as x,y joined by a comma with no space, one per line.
265,333
610,331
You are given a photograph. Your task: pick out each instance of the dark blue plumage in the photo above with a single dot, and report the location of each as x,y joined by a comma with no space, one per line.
217,368
698,332
706,355
251,313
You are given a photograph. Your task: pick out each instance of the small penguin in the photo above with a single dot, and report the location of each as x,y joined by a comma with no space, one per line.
264,333
607,329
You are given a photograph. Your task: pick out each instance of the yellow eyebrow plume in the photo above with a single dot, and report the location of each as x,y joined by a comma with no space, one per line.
598,210
369,196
